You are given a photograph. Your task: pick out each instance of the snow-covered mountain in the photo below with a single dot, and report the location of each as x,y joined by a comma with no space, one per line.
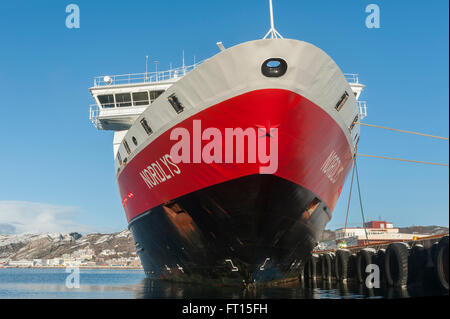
54,245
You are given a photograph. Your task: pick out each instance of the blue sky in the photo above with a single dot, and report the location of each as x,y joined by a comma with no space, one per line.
56,169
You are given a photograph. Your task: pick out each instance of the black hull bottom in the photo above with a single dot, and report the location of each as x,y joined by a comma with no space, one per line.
255,228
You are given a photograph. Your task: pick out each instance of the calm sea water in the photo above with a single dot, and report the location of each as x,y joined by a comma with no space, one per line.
51,283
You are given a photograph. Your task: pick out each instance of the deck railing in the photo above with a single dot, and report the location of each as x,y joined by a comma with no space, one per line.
362,109
147,77
351,77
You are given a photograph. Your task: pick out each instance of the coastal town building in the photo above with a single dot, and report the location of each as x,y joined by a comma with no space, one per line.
374,232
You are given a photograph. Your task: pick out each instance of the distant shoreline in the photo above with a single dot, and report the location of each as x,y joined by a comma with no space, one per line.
81,267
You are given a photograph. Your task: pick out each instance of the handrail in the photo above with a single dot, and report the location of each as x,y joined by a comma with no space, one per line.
352,77
362,109
148,77
116,104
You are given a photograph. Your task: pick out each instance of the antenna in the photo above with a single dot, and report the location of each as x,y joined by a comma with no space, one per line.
184,69
156,67
220,45
272,31
146,68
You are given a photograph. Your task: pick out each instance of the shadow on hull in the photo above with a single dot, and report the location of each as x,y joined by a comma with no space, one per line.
255,228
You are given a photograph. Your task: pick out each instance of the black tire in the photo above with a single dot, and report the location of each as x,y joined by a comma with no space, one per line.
379,260
319,267
351,272
396,264
365,257
333,265
326,267
311,267
341,265
417,263
442,263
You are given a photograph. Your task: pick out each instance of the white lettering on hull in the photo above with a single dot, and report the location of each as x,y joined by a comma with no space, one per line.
160,171
332,167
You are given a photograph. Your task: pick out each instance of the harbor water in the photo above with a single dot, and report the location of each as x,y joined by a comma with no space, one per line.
23,283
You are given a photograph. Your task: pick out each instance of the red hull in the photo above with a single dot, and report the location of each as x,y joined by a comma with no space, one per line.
307,138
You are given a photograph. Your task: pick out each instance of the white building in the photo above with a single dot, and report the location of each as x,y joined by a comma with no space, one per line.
377,231
21,263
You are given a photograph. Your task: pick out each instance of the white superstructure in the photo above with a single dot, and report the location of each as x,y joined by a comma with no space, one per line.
121,99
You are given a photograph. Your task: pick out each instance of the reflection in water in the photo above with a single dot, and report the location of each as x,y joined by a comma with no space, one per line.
50,283
152,289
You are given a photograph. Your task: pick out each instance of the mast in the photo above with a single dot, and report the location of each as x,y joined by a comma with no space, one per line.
272,31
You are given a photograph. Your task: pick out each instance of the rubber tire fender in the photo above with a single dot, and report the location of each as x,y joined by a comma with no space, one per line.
341,265
379,259
326,267
397,256
417,263
311,267
364,257
442,263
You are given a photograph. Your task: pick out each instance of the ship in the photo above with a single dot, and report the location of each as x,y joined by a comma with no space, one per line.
229,169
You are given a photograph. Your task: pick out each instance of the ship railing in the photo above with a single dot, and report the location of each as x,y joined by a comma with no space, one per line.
351,77
94,113
362,109
147,77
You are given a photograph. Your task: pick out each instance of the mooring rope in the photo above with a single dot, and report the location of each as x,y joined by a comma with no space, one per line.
403,131
349,199
402,160
360,201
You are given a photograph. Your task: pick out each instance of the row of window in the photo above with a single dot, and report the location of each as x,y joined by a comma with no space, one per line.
343,235
177,106
128,99
339,106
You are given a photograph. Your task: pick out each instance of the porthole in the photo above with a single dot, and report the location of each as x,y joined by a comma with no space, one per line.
274,67
134,140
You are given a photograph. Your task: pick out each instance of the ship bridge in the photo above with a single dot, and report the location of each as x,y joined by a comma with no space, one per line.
357,88
120,99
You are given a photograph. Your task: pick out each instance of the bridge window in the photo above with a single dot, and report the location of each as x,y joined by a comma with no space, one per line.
342,101
123,99
154,94
119,158
146,127
140,98
173,100
127,147
107,101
